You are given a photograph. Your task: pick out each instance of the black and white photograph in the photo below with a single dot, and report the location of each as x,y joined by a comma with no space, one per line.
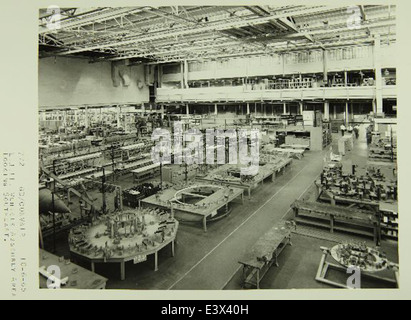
218,147
200,156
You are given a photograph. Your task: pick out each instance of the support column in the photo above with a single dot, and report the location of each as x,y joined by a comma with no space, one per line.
162,112
335,112
284,108
159,75
301,107
216,109
187,109
326,110
325,66
118,116
347,114
378,75
374,106
248,108
182,74
86,121
186,73
345,78
65,119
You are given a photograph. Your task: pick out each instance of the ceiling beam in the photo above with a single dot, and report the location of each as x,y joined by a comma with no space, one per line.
201,29
364,16
292,26
95,16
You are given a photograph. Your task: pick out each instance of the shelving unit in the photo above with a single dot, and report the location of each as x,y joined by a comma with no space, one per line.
389,221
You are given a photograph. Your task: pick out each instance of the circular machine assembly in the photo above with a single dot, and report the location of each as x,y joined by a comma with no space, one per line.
359,255
123,237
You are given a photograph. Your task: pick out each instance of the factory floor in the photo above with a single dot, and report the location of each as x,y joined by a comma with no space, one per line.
209,261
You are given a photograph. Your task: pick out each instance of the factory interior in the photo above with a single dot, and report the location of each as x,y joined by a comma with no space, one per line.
306,94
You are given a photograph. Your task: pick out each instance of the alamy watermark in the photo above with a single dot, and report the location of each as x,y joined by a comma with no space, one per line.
354,281
54,18
355,18
236,147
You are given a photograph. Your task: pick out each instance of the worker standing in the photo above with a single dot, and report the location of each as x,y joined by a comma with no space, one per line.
343,129
357,131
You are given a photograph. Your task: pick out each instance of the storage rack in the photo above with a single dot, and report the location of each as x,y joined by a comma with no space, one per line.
389,221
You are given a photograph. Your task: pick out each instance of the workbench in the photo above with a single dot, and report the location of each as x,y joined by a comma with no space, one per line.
295,146
99,175
132,165
132,147
144,173
78,277
359,190
327,195
78,173
206,208
219,175
264,254
278,166
295,153
337,218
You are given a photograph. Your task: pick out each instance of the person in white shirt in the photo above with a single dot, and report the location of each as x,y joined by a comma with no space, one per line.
343,129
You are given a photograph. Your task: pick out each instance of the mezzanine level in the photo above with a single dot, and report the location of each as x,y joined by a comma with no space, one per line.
243,94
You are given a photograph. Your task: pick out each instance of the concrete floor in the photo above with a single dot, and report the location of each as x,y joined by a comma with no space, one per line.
209,261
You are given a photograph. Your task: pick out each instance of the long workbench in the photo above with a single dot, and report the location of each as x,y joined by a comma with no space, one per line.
337,218
264,254
270,170
290,152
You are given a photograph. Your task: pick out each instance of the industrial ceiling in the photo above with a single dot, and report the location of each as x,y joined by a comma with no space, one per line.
178,33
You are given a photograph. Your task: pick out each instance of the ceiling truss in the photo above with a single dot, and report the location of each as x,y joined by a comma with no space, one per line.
178,33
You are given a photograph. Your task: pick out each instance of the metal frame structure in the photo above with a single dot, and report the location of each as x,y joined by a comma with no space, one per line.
325,266
183,33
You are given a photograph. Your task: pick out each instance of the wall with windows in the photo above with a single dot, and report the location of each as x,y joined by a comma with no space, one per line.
339,59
